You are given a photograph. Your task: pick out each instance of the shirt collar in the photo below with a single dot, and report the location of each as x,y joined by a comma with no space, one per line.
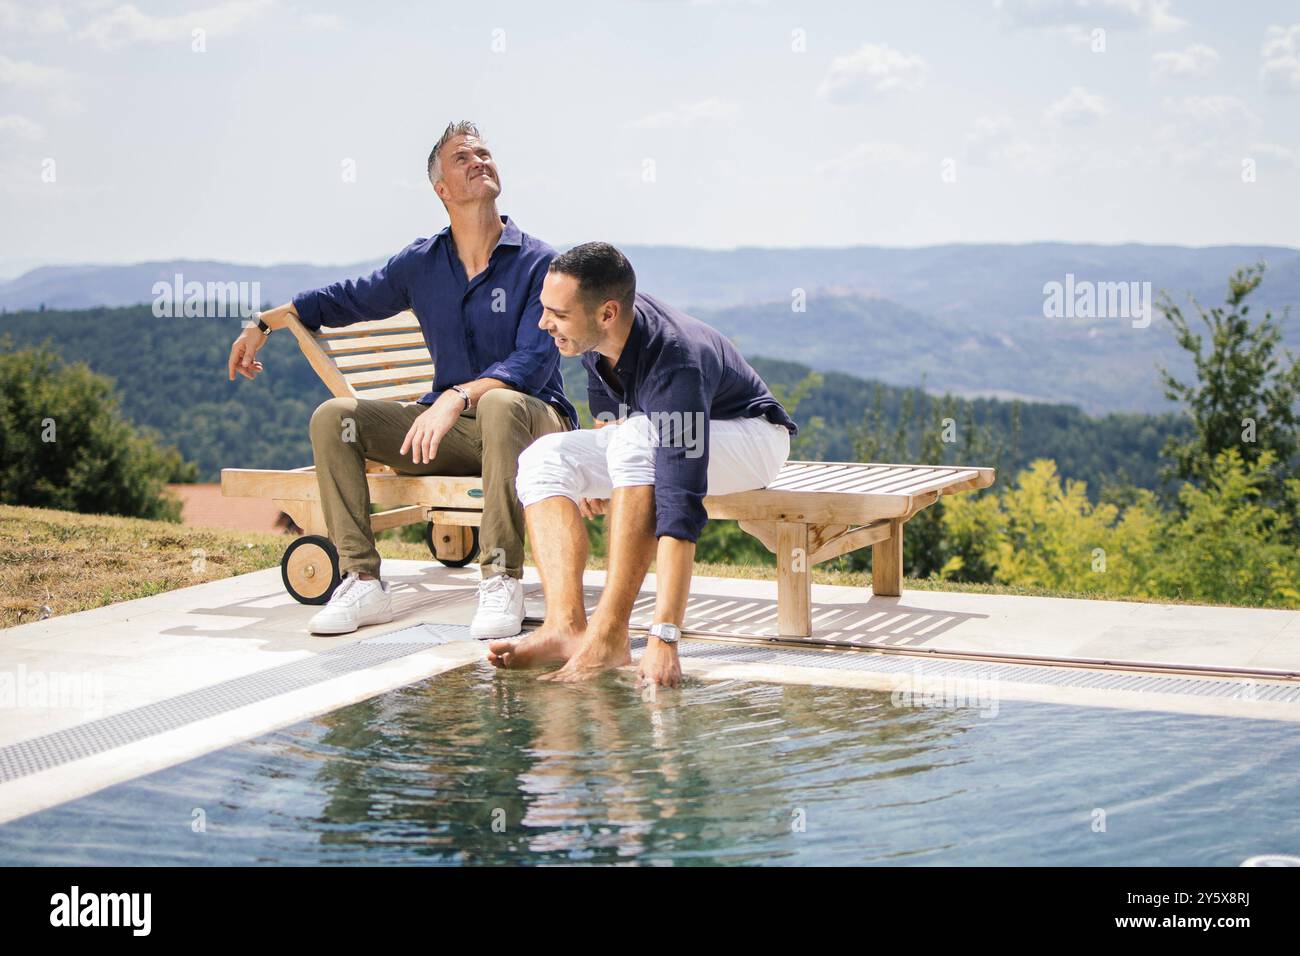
511,235
632,347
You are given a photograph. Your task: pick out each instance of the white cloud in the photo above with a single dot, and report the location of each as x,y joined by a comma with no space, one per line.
1077,108
1197,60
1213,112
330,22
1208,131
127,24
874,68
1080,16
20,74
30,18
994,141
1281,70
1279,154
689,114
872,155
48,84
20,127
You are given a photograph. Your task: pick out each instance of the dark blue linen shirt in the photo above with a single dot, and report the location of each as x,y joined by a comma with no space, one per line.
484,328
680,373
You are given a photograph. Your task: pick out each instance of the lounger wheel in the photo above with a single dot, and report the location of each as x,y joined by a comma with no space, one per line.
310,569
454,540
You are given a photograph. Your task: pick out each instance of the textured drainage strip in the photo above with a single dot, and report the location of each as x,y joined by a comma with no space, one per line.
1239,688
105,733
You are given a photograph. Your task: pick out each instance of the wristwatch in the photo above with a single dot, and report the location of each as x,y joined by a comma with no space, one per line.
668,633
463,394
266,329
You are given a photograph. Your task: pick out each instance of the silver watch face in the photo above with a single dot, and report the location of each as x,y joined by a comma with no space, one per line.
668,633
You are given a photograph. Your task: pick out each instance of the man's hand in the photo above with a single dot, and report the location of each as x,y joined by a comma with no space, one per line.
591,507
427,431
659,664
243,354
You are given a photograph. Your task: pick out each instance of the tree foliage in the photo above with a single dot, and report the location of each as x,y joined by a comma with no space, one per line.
63,444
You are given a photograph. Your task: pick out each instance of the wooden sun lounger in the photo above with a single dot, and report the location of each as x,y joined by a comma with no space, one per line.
812,512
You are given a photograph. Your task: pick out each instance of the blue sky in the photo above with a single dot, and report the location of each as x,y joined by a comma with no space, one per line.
708,124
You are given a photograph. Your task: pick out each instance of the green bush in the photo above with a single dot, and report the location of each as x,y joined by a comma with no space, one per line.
63,444
1224,544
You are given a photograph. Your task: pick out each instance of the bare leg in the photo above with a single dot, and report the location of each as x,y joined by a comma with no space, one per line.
632,546
560,549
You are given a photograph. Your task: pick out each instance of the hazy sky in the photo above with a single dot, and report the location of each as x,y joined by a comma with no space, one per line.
710,124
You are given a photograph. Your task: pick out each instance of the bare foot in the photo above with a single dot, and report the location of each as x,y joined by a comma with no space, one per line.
543,646
596,655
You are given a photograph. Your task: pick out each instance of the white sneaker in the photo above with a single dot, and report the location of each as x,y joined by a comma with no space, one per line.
500,607
354,603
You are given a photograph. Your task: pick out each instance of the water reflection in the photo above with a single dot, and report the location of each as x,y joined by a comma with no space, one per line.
489,766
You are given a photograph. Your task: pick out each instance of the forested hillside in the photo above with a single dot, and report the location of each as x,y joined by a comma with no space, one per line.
171,375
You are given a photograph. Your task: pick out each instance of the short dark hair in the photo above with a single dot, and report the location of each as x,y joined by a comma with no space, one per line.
603,273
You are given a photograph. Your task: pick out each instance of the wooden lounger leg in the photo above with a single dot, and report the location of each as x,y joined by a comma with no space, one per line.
887,562
793,580
307,515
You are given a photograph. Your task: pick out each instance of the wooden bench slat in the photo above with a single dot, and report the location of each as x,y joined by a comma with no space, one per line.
807,481
396,393
390,376
370,343
797,467
361,360
907,485
856,479
856,476
941,484
823,481
402,322
884,482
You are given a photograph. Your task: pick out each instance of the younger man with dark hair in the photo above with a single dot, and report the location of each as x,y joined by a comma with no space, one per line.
680,414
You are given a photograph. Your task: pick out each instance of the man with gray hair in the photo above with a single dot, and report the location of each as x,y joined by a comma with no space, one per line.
475,288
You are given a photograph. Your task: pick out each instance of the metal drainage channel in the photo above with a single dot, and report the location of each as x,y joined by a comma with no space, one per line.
105,733
1245,688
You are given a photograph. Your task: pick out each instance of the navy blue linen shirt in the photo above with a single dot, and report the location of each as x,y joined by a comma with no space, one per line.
484,328
680,373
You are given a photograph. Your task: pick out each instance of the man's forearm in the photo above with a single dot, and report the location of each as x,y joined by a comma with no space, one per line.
674,560
480,387
277,318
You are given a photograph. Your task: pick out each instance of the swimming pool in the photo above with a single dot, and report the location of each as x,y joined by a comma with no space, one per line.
483,767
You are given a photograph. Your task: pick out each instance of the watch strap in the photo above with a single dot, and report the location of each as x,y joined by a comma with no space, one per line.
668,633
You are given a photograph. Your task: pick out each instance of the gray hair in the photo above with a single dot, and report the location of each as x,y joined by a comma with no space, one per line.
458,128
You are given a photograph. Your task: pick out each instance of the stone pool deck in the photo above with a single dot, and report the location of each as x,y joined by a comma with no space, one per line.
159,656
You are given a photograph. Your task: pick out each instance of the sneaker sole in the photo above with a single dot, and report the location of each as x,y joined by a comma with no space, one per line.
495,633
385,620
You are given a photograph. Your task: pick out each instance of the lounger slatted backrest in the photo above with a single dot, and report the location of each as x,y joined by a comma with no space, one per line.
385,359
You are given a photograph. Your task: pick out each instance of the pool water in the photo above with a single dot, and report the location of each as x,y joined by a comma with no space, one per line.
481,767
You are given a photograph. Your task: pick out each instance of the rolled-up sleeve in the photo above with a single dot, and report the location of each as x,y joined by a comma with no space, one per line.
677,404
377,296
535,358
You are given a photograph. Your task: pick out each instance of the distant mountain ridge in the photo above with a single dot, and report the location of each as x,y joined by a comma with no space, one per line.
966,318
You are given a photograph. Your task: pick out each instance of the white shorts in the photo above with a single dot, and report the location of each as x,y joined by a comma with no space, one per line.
744,454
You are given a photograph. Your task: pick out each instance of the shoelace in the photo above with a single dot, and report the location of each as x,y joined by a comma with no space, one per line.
345,593
492,593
